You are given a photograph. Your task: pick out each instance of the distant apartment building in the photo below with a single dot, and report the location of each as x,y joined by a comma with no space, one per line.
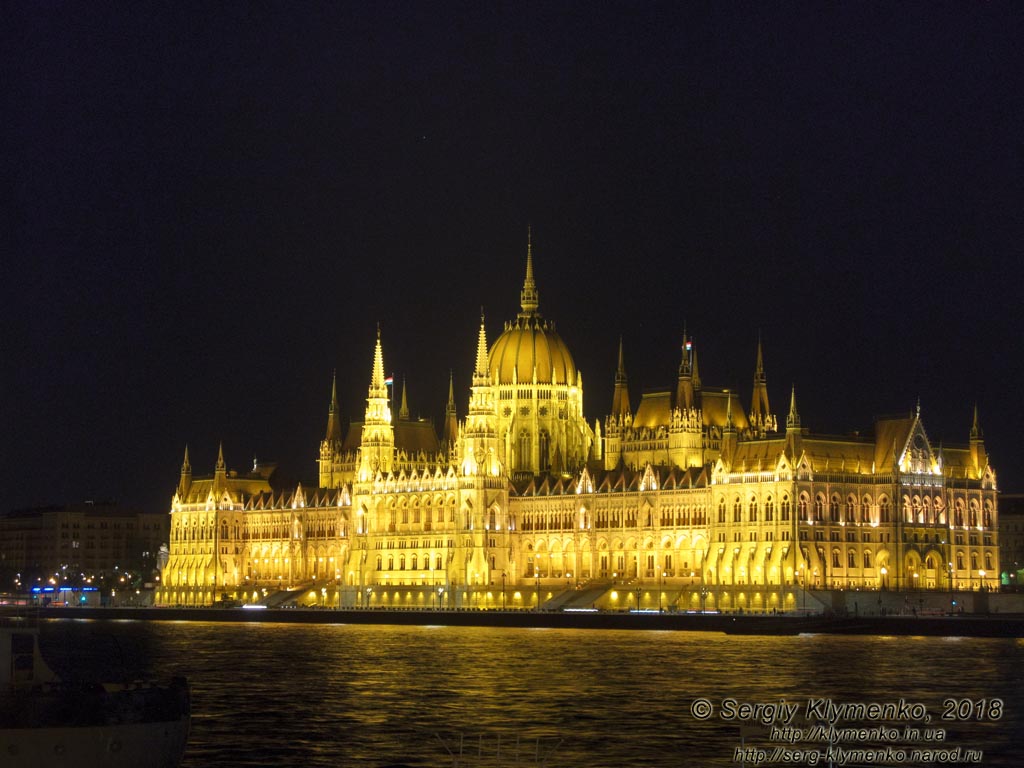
78,542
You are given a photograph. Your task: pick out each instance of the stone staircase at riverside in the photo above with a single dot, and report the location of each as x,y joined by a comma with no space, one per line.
279,598
585,597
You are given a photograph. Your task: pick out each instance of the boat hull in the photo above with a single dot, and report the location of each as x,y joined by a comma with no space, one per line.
141,745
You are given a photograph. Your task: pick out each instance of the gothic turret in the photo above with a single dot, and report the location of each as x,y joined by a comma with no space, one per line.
684,386
620,399
377,446
451,423
403,411
761,419
979,458
186,477
793,429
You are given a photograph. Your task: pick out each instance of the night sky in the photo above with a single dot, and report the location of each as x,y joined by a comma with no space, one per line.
210,207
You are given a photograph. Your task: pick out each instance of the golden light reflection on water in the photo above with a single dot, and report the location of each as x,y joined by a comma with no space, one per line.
337,695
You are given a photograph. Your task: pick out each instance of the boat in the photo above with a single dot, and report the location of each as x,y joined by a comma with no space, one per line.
48,722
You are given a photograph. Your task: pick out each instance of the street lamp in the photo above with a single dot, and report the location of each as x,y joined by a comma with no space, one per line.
661,589
503,590
703,599
638,592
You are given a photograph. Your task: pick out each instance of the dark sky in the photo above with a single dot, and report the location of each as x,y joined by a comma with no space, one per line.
212,206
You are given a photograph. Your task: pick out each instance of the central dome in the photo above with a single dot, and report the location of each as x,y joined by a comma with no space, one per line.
528,342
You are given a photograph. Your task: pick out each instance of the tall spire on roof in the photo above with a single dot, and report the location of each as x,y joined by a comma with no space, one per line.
451,423
793,419
979,457
333,417
220,458
480,374
185,482
684,384
377,441
377,386
529,299
403,412
761,418
620,398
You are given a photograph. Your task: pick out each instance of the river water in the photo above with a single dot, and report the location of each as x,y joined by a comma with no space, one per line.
343,695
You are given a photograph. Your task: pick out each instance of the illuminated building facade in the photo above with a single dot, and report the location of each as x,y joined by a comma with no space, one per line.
692,501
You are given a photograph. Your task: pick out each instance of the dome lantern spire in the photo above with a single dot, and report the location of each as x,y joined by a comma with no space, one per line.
529,299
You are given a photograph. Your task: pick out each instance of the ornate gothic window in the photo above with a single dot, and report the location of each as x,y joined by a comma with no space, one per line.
523,451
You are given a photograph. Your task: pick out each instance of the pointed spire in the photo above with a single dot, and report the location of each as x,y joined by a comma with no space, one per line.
696,370
480,371
620,397
185,482
403,412
728,412
451,424
976,433
333,418
377,386
529,299
684,384
793,419
760,411
220,458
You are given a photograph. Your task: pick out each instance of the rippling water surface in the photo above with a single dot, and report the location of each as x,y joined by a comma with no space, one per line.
336,695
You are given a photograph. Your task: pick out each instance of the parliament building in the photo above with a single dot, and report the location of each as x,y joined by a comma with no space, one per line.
695,500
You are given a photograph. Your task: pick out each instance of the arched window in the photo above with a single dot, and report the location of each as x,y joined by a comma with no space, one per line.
988,561
721,510
987,515
378,562
769,510
737,510
523,452
851,559
884,511
786,508
959,561
959,519
819,508
867,559
974,513
401,562
833,509
803,507
974,561
437,563
543,444
835,558
391,562
415,563
752,509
